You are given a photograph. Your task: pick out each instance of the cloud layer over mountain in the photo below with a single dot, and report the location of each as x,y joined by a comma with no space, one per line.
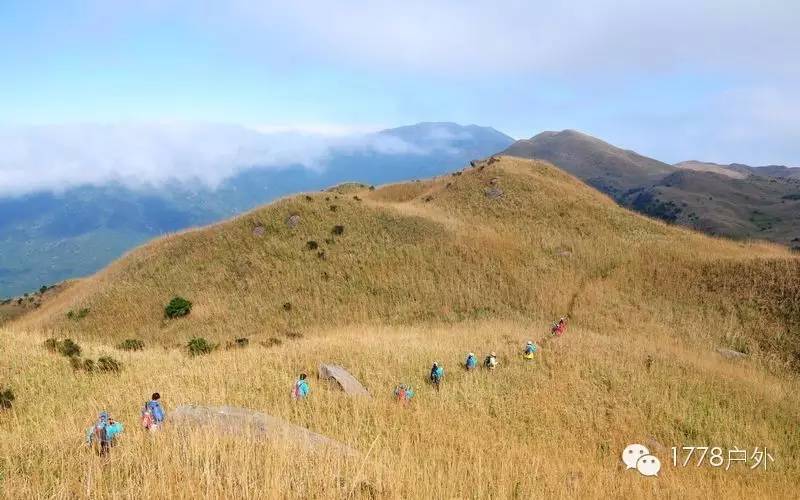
139,154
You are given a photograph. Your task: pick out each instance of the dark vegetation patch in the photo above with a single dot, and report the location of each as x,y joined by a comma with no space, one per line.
293,335
337,230
239,343
311,245
199,346
177,308
66,347
131,345
6,398
79,314
649,204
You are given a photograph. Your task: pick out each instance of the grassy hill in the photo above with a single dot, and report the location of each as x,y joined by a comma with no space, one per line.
606,167
402,276
735,201
46,237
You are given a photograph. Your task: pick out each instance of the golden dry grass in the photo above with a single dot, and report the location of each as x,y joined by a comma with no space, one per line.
424,271
551,428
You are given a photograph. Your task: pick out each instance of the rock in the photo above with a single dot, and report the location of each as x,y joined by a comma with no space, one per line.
564,253
342,377
730,353
251,423
259,231
292,221
493,192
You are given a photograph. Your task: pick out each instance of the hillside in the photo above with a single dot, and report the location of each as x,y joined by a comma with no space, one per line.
736,201
47,237
479,260
606,167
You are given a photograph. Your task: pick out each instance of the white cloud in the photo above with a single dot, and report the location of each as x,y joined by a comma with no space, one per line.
513,35
58,157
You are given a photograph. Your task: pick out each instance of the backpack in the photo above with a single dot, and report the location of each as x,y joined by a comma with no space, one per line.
99,434
402,395
147,417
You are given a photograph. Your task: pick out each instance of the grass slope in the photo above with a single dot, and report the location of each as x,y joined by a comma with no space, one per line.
425,271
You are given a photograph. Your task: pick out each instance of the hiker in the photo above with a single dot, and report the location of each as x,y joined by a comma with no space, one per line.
530,350
101,436
403,393
559,327
472,362
437,372
153,413
490,362
301,388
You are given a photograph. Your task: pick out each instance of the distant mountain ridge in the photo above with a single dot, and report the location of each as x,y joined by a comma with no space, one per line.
735,200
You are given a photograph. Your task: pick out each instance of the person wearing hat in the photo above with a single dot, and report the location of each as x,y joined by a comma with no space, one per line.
491,361
102,435
530,350
472,362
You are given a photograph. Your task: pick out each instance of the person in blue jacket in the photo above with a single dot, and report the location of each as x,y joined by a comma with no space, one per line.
530,350
102,435
153,413
437,373
472,362
301,388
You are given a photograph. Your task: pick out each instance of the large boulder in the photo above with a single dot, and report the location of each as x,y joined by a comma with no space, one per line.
343,379
242,421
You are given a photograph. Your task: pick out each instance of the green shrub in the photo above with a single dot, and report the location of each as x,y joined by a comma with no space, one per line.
69,348
6,398
108,364
66,347
177,307
79,314
131,345
198,346
43,289
76,363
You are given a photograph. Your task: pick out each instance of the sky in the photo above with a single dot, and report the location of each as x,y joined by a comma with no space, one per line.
715,80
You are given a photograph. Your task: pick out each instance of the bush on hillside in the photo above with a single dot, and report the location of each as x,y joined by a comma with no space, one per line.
131,345
312,245
108,364
177,308
238,343
66,347
79,314
198,346
89,365
6,398
337,230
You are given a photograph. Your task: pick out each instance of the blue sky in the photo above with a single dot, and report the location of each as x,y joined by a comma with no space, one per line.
715,80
